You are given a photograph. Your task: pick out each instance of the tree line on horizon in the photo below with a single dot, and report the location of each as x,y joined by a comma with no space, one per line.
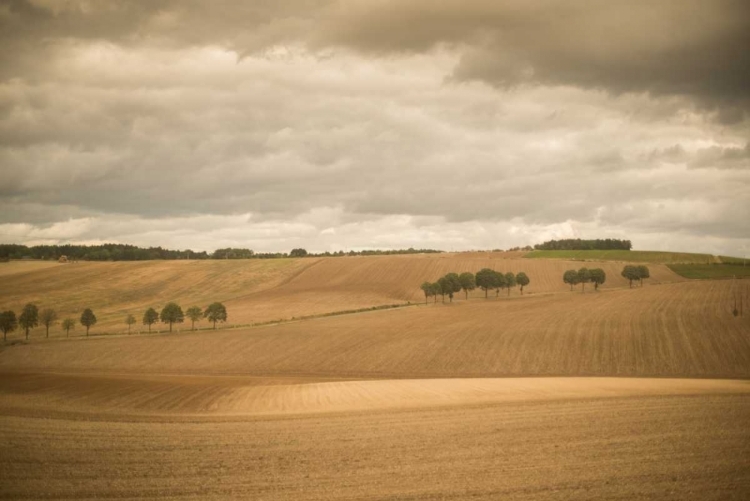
172,313
485,279
125,252
578,244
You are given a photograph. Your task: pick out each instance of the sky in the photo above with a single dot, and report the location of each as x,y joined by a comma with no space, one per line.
349,125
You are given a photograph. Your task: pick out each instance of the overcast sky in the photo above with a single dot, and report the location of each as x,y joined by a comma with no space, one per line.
456,124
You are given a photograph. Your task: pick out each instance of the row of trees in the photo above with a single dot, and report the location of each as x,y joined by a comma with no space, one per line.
578,244
485,279
31,317
172,313
597,276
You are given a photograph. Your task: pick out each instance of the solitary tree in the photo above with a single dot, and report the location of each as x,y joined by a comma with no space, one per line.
88,319
485,279
68,324
29,318
8,323
523,280
427,289
172,314
631,273
150,318
194,313
216,312
598,277
584,276
48,317
130,320
642,273
468,282
510,281
571,277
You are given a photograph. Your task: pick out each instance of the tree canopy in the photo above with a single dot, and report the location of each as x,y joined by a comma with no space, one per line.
8,323
523,280
172,314
631,273
150,318
194,313
598,277
216,312
48,317
468,282
29,318
584,277
68,324
510,281
88,319
643,272
571,277
486,279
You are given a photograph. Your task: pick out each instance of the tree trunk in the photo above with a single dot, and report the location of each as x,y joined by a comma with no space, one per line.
583,286
467,294
522,290
192,327
485,293
47,336
508,291
170,326
214,324
27,333
149,328
87,331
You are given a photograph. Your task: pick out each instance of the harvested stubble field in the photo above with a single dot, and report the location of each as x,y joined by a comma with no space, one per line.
520,398
256,291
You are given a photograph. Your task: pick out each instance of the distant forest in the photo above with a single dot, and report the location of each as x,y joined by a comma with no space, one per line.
578,244
123,252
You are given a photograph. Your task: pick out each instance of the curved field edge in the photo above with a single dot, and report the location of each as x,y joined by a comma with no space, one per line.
672,330
188,395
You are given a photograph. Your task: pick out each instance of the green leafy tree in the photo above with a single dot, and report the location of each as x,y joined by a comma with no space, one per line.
630,273
468,282
510,281
298,253
48,317
523,280
643,273
435,287
444,286
172,314
88,319
150,318
130,321
500,282
216,312
194,313
584,277
427,289
8,323
29,318
598,277
454,284
486,279
571,277
68,324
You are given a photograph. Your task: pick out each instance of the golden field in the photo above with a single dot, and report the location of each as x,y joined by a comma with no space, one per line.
257,291
624,393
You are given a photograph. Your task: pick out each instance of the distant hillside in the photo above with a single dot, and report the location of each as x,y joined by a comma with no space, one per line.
625,255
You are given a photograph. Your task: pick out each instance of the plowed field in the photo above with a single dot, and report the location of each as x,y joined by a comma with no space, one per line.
262,290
